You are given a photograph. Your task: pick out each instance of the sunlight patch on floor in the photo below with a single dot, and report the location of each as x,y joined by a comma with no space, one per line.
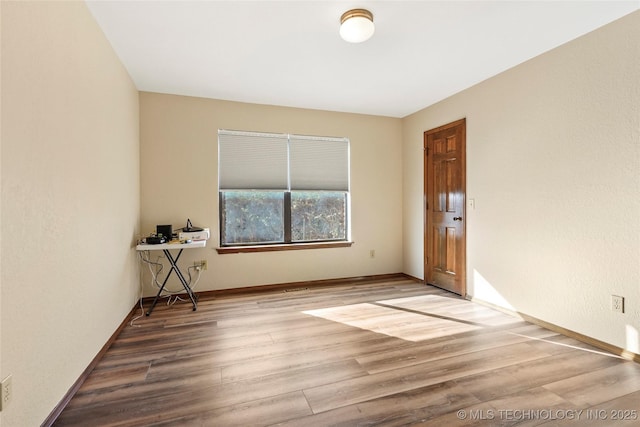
392,322
454,309
574,347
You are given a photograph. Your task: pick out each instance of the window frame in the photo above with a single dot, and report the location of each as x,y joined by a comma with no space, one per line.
282,247
287,243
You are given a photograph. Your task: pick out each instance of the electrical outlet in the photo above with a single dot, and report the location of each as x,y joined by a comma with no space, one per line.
200,265
7,392
617,303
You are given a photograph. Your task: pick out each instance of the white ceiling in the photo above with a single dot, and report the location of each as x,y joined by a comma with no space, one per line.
289,53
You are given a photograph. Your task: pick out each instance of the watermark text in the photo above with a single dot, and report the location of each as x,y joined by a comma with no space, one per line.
548,414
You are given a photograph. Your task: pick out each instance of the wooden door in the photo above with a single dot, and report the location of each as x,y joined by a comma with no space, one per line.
444,186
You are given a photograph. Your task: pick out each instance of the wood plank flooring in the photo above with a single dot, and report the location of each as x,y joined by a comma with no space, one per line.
381,353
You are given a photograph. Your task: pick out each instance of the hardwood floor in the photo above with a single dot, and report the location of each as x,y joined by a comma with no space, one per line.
388,353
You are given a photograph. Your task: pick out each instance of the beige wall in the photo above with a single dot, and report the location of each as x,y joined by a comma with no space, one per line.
179,181
553,163
1,120
70,200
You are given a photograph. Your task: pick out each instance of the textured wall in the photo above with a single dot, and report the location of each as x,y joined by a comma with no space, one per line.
553,163
70,200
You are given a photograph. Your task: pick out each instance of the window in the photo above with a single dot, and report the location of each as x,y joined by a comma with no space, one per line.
282,189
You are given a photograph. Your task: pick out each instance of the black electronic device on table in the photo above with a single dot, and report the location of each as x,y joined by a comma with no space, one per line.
190,228
165,231
155,240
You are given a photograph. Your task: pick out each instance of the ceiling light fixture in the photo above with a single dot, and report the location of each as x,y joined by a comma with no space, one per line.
356,25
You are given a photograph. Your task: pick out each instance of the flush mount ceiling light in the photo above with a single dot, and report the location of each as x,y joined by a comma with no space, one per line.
356,25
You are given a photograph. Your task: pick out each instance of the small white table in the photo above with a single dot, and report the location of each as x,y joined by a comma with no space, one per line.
166,248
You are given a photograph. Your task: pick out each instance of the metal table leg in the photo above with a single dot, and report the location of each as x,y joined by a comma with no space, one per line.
185,284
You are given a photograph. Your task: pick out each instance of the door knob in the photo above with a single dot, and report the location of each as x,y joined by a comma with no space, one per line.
457,218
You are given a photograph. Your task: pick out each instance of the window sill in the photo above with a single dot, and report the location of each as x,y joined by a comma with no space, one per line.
283,247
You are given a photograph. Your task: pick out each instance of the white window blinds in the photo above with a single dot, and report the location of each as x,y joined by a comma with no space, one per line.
252,161
318,163
261,161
